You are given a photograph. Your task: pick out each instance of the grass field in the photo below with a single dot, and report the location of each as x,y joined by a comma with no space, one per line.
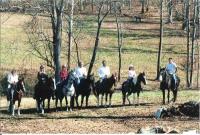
116,119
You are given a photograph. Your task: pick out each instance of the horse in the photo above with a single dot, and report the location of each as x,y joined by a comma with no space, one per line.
59,94
167,82
128,87
69,90
105,87
15,94
84,89
44,90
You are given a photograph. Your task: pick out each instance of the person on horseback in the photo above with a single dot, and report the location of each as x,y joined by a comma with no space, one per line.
63,73
132,74
103,71
12,80
42,78
80,72
171,69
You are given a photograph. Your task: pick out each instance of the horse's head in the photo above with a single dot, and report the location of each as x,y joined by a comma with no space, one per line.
142,78
91,78
114,79
162,73
51,83
20,85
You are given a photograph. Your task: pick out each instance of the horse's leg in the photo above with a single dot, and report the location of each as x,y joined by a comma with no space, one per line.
97,100
82,99
71,103
175,95
110,100
106,99
138,100
87,97
43,105
123,98
49,103
168,95
66,103
56,104
61,104
102,99
19,101
77,100
134,99
128,94
163,92
13,108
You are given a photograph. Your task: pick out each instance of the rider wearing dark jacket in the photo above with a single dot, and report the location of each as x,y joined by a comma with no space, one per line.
42,78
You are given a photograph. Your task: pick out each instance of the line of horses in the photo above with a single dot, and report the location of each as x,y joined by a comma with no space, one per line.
69,89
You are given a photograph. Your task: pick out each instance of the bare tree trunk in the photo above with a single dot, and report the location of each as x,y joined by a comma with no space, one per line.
161,39
56,19
198,64
188,45
198,46
119,37
170,11
184,10
100,20
143,5
193,40
70,34
147,5
77,52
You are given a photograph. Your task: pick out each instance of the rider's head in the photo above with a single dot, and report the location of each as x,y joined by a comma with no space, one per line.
13,71
41,68
104,63
170,60
63,66
131,67
80,64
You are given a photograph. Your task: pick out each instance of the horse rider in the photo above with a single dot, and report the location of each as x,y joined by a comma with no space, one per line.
12,79
171,69
103,71
63,73
132,74
80,72
42,78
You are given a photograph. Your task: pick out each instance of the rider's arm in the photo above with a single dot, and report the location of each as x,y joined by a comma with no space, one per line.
9,78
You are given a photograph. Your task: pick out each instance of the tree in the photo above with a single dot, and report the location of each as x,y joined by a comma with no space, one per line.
100,18
188,44
161,39
193,42
119,41
70,34
170,11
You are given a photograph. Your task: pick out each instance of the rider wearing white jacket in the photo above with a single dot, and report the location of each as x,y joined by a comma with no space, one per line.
103,71
80,72
12,78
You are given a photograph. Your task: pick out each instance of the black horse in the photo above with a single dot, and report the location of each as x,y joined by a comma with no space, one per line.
167,82
128,87
84,89
105,87
15,93
44,90
67,89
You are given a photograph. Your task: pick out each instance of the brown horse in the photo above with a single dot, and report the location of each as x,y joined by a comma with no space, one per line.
15,93
44,90
105,87
168,83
